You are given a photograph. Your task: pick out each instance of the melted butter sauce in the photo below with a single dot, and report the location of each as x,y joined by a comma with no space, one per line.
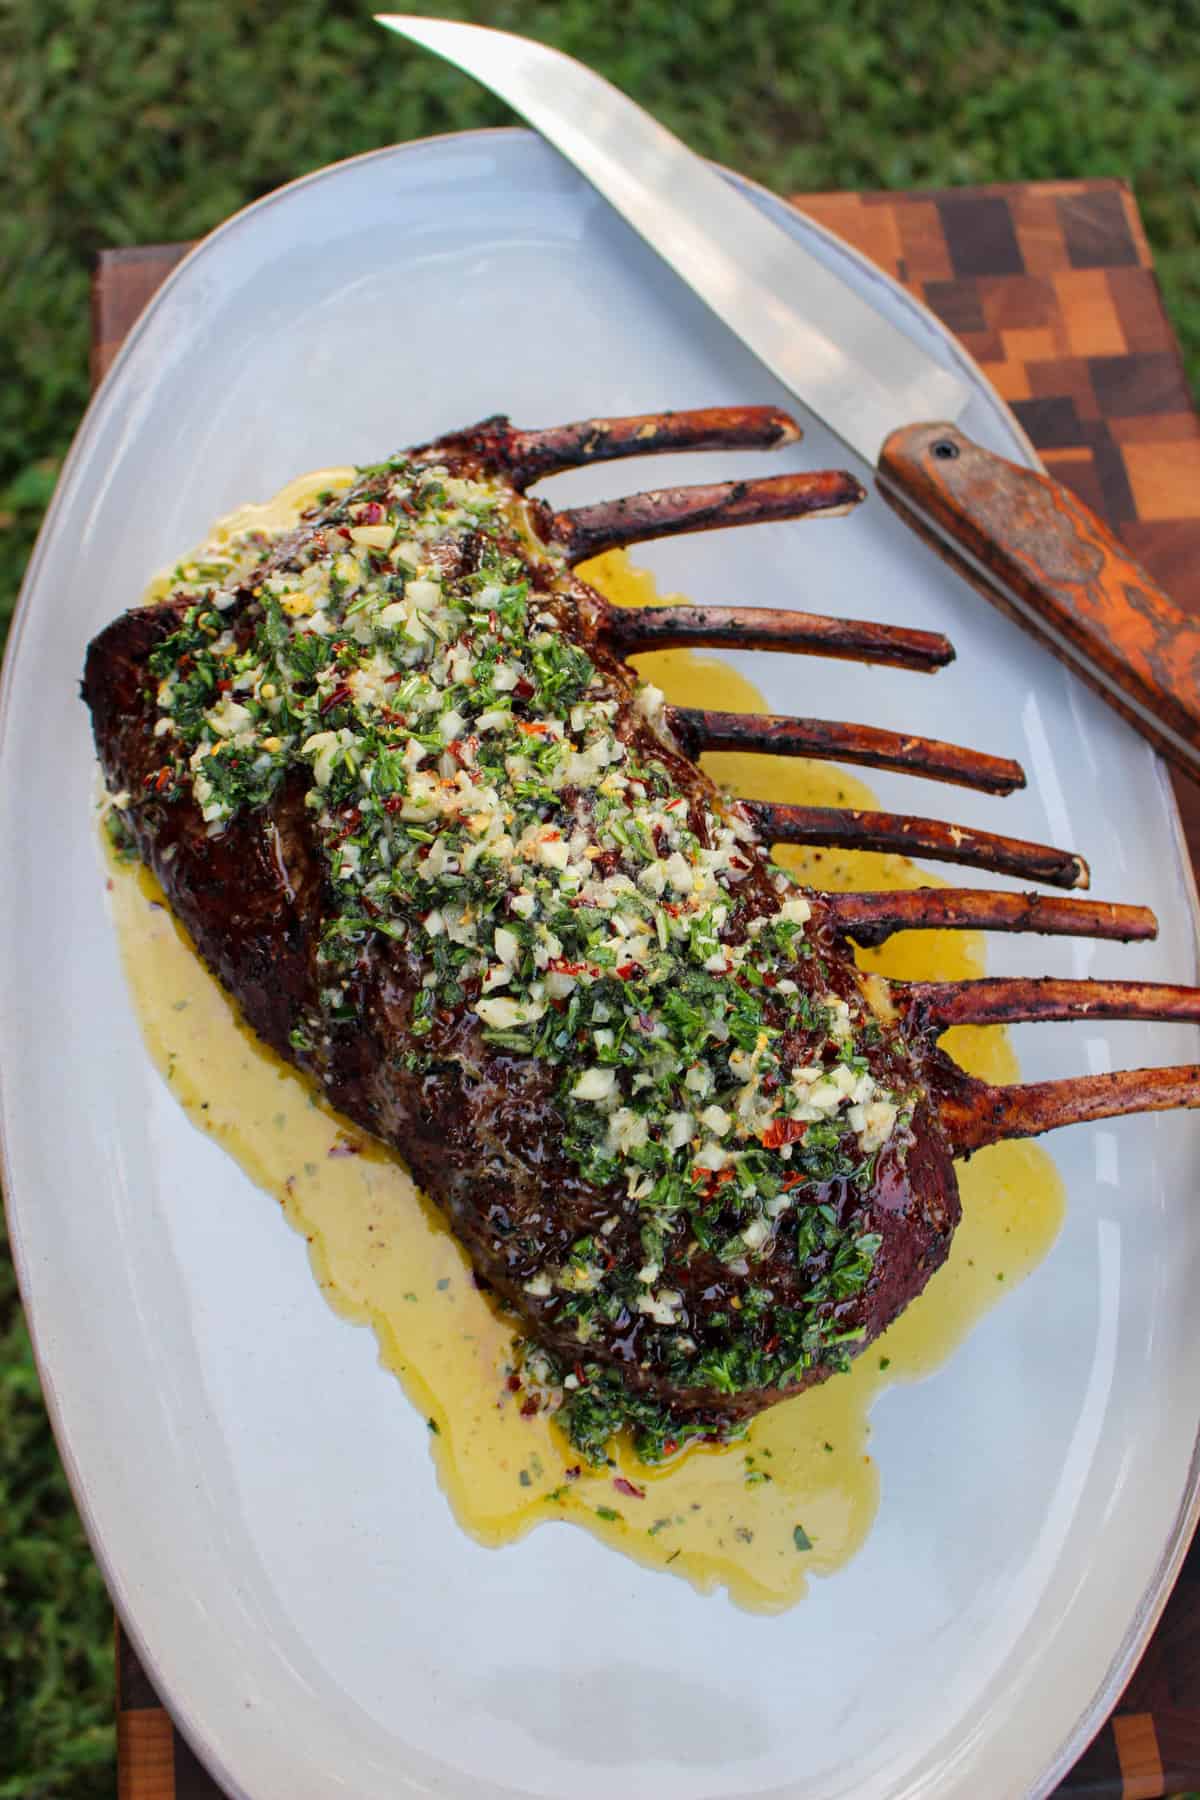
795,1497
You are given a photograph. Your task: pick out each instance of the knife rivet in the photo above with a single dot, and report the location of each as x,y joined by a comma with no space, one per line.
944,450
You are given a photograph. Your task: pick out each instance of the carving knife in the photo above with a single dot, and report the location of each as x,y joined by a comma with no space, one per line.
1021,539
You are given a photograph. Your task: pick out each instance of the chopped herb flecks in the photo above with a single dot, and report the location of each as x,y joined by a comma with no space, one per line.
482,802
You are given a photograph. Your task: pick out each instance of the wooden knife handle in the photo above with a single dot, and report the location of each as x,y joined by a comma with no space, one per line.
1037,552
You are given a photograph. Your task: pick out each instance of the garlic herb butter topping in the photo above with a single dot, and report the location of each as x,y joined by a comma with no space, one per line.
481,797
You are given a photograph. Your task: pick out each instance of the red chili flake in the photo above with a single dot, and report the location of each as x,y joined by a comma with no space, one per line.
408,507
575,1473
529,1407
558,965
223,687
394,803
769,979
524,689
342,1146
627,971
163,780
391,680
626,1487
710,1181
532,727
771,1344
339,694
351,826
735,862
783,1131
580,1377
343,532
513,1384
770,1083
670,1446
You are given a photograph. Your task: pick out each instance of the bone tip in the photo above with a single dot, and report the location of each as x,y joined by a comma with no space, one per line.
786,429
1082,877
1144,925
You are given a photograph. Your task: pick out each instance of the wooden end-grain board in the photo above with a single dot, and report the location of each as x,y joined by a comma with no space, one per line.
1051,287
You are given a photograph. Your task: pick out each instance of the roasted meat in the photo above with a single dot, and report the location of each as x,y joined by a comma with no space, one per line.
456,863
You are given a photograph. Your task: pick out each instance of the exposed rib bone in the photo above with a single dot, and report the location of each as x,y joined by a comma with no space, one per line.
829,739
975,1114
932,838
933,1006
530,455
584,531
633,629
870,919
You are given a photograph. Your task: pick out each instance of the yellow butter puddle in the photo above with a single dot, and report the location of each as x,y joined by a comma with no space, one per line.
795,1497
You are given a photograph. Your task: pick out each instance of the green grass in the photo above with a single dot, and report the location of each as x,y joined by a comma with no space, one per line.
55,1621
131,120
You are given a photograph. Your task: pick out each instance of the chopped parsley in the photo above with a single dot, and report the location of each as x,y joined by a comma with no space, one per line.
481,802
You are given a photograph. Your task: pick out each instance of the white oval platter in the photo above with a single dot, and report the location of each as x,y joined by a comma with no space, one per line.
258,1491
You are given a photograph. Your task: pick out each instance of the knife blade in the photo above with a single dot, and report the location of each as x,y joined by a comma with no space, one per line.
1025,542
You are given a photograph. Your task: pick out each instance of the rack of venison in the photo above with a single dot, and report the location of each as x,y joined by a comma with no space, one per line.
456,863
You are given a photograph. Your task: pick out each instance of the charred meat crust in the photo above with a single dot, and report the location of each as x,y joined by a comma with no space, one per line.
480,1127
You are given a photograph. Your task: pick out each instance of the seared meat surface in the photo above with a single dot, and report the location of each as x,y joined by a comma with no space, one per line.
435,839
